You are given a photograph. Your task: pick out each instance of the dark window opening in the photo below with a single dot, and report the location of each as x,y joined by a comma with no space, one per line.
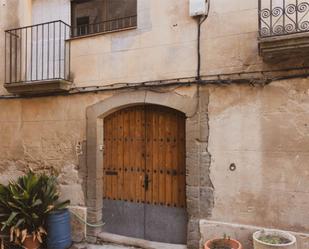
82,24
95,16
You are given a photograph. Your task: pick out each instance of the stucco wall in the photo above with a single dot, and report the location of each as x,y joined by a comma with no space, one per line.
165,42
265,132
47,11
164,45
45,134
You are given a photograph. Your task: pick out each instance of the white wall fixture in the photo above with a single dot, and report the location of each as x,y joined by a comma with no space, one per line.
198,7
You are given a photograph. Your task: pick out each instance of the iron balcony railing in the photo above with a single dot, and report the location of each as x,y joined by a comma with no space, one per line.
106,26
38,52
282,17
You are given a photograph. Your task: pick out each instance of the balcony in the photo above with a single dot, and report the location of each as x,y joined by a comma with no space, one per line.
37,59
283,29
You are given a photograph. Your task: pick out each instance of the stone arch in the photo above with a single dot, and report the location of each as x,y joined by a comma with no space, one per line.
188,104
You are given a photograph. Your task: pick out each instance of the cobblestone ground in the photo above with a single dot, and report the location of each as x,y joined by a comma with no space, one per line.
103,246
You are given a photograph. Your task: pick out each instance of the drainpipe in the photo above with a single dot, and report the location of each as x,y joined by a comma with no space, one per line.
200,21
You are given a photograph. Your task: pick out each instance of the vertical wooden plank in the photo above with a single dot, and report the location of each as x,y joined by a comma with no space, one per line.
136,153
126,155
119,165
162,158
114,156
142,154
182,161
154,121
168,155
132,147
149,153
175,161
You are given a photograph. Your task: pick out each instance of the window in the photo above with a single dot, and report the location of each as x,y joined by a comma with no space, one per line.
94,16
82,24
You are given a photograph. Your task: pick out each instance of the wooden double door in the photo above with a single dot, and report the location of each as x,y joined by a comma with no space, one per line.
144,193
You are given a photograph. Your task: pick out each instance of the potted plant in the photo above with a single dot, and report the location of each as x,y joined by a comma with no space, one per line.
24,206
270,239
223,243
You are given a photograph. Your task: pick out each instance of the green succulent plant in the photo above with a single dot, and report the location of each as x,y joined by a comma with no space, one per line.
25,204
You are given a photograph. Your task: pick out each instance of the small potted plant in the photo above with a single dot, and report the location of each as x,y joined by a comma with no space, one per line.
24,207
270,239
223,243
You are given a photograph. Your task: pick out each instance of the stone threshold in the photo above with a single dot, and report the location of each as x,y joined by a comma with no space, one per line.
128,241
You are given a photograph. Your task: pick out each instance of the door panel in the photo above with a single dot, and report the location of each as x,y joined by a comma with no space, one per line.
165,224
124,150
144,173
165,161
124,218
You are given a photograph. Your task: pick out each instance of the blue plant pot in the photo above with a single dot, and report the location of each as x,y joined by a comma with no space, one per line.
59,230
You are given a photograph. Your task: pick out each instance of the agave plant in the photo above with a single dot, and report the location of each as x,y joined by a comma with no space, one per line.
25,204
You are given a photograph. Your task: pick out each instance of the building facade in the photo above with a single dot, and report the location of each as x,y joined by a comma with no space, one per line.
217,108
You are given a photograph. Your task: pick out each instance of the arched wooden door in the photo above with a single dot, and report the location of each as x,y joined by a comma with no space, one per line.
144,193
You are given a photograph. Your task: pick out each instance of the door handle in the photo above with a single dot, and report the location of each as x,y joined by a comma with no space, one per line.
146,182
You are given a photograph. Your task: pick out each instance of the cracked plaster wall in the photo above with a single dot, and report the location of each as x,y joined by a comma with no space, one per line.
45,134
265,132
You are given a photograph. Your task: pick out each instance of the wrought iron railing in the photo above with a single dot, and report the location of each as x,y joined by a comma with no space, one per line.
106,26
282,17
37,52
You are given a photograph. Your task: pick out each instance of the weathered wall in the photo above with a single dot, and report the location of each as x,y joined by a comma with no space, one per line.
45,134
13,13
264,131
47,11
165,42
164,45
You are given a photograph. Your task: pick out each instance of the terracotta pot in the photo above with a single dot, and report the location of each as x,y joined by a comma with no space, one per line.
234,244
29,243
263,245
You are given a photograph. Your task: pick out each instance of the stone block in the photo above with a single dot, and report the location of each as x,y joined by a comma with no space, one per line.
206,201
78,225
193,234
73,192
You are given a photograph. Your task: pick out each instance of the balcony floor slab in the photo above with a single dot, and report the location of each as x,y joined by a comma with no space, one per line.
39,87
278,48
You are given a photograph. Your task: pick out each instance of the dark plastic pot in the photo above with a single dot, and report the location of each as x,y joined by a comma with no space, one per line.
59,230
